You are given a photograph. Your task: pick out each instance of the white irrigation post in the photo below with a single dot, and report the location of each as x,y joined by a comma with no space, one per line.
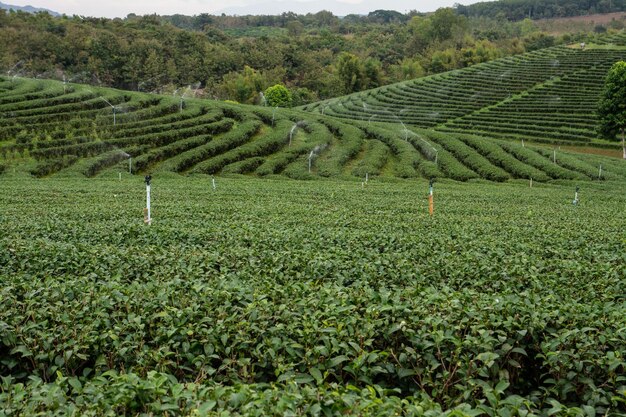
554,156
119,176
523,143
147,215
531,182
367,177
600,172
575,202
130,165
213,183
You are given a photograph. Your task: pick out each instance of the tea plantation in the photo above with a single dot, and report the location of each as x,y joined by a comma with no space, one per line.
545,96
266,297
505,119
251,294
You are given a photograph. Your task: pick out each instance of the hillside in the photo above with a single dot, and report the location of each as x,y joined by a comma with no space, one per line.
546,96
49,127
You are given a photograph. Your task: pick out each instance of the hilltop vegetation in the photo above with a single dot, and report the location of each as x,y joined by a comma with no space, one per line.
545,9
316,56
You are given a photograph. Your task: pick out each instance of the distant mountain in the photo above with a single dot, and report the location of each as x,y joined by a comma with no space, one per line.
337,7
27,9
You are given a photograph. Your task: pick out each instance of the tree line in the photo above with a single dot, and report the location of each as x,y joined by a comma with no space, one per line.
545,9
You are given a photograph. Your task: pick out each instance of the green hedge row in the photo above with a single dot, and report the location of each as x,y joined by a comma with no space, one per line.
81,150
243,167
531,157
373,160
266,144
571,162
168,151
104,161
497,156
408,159
237,136
171,136
33,104
427,166
94,103
28,91
317,139
164,113
51,166
203,116
348,143
470,158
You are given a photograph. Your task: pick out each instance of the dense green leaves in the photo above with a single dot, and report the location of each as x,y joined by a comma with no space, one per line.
509,298
278,95
612,105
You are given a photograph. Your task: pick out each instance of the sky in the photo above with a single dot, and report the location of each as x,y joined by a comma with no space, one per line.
121,8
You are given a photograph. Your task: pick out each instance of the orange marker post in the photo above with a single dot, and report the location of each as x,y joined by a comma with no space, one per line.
431,202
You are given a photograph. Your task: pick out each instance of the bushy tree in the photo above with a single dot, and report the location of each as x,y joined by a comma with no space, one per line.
244,87
278,95
612,105
350,71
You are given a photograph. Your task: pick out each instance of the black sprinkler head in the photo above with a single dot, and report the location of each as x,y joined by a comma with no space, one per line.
148,178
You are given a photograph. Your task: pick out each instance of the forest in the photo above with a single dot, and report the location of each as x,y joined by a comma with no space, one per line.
316,56
546,9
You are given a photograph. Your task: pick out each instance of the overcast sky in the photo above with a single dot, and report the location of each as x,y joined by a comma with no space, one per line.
121,8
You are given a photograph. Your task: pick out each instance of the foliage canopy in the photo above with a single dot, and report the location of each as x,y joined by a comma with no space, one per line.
612,105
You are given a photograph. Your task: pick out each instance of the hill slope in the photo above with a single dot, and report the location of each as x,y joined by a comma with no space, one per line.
51,128
546,96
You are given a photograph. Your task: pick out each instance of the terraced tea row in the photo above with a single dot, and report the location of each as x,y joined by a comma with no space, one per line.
548,95
49,128
559,111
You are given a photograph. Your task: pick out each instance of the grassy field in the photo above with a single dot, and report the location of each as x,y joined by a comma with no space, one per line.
266,297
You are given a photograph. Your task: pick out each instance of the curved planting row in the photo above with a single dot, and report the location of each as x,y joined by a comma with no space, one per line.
91,131
545,96
559,111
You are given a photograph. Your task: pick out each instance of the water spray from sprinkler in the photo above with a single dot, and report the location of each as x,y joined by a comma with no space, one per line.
112,106
293,129
314,153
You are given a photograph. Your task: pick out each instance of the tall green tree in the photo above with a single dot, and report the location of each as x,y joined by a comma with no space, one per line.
278,95
350,71
612,105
